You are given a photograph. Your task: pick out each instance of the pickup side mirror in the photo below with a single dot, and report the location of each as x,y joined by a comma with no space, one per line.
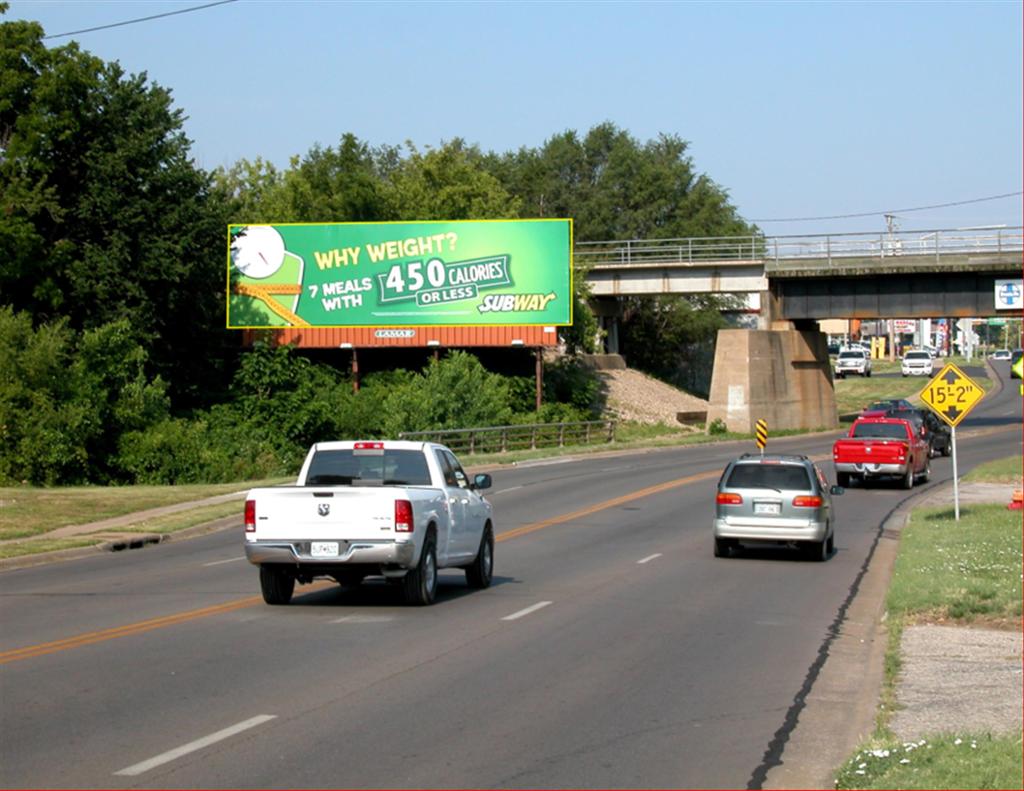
836,489
482,481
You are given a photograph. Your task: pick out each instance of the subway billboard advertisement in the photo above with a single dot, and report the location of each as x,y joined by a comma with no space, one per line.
400,274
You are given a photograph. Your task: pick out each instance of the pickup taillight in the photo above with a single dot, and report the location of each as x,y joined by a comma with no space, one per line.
807,501
250,516
729,498
403,516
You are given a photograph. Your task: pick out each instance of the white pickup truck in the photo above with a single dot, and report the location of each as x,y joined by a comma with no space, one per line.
400,510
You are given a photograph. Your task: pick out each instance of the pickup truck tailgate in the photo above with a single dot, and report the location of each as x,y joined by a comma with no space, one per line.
310,513
870,451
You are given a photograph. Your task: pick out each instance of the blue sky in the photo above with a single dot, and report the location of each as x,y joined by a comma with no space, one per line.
797,109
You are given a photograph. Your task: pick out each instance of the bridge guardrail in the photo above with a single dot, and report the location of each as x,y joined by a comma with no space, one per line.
652,252
899,243
528,436
618,254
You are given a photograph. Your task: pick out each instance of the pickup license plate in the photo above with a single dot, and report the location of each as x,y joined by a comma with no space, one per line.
323,549
769,509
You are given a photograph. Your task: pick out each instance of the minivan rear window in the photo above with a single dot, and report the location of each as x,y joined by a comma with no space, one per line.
768,476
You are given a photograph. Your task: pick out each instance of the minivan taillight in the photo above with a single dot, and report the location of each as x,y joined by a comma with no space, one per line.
807,501
729,498
403,516
250,516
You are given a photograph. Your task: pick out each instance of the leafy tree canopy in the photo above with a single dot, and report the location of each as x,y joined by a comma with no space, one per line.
103,216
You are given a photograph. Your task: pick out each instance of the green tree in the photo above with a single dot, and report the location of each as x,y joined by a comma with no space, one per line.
456,392
447,183
104,216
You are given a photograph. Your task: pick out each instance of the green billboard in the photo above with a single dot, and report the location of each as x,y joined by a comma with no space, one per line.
400,274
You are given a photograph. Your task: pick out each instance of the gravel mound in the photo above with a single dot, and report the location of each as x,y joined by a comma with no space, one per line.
636,396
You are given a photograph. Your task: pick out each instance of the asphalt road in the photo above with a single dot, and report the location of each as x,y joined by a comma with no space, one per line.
613,649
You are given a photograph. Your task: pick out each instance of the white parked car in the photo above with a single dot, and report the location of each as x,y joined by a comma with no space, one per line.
917,362
1000,354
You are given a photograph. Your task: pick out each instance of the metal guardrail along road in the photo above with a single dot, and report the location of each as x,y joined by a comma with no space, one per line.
529,436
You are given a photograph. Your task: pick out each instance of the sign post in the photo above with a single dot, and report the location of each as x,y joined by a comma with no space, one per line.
951,395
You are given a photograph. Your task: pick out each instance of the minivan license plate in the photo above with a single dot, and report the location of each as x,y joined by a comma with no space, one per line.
323,549
771,509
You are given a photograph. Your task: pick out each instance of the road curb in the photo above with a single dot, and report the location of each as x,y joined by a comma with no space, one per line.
119,544
840,708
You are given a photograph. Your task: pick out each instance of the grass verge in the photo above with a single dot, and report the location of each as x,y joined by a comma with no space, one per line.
1008,470
27,511
965,572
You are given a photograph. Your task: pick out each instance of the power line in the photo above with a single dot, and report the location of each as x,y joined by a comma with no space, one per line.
140,19
891,211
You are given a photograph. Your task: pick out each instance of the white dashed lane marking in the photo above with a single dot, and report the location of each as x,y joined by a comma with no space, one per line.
516,615
649,558
198,744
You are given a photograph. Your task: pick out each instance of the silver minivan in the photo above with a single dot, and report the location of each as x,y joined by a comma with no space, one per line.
774,499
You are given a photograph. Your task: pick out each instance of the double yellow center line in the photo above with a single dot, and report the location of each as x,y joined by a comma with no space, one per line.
89,638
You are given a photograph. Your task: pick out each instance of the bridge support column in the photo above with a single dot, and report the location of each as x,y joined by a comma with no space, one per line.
782,376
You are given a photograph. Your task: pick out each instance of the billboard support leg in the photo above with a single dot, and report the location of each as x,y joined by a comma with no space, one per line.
540,375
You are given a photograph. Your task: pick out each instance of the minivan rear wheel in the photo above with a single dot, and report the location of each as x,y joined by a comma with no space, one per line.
723,547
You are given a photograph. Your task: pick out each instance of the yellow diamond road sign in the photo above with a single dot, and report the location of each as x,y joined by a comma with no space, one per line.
1018,368
951,394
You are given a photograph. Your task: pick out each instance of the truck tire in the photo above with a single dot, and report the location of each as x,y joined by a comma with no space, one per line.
419,586
927,473
908,479
843,479
277,585
479,572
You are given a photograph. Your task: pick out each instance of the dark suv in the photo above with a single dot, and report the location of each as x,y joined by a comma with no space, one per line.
774,499
936,431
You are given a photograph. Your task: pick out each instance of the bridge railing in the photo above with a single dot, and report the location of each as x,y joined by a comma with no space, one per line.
651,252
626,253
900,243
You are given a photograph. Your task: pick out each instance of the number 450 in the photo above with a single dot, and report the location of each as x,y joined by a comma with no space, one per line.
414,272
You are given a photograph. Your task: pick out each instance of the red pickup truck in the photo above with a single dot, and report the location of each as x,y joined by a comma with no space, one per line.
882,446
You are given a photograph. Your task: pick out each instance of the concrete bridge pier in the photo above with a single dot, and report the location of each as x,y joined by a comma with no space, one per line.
781,375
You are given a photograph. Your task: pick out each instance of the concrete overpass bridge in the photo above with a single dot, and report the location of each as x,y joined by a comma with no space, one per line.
781,371
910,274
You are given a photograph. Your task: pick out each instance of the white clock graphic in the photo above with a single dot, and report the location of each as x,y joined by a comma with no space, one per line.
258,252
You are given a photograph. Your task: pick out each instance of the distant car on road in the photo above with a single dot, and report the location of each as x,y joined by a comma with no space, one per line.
774,499
853,361
940,442
879,408
916,362
1000,354
1014,357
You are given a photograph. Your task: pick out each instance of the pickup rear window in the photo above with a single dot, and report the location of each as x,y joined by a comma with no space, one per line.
392,468
768,476
880,431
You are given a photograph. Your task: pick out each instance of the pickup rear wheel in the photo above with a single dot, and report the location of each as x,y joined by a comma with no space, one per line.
843,479
478,574
908,479
277,585
420,585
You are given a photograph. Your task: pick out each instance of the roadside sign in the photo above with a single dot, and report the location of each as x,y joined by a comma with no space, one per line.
952,394
1018,368
761,434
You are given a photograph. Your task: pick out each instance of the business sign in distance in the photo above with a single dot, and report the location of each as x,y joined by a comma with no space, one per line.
460,273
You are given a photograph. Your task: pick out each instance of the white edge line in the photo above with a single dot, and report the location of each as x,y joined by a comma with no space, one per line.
510,489
539,605
198,744
229,560
649,558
